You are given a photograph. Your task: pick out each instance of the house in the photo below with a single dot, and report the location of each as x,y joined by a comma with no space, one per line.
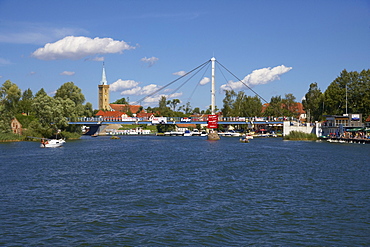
135,109
297,109
16,126
110,114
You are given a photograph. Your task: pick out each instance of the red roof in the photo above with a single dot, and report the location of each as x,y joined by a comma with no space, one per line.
145,114
109,113
298,108
126,108
368,119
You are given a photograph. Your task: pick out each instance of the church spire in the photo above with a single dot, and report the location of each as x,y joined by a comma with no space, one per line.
103,77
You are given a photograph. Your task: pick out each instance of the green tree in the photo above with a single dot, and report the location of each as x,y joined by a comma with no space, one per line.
274,107
25,104
228,101
10,96
70,91
173,103
163,109
313,103
121,101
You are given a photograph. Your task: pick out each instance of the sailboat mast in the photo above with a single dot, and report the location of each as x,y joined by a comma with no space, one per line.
213,93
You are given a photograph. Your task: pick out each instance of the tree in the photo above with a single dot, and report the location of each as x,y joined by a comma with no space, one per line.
289,106
186,108
121,101
274,107
10,96
163,109
173,103
70,91
25,104
313,103
228,102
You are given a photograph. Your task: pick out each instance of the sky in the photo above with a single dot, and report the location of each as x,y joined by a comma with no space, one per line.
273,47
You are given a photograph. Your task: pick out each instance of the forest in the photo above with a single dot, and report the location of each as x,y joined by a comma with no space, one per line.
42,115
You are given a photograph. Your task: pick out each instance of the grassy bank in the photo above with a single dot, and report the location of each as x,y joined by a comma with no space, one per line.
9,137
300,136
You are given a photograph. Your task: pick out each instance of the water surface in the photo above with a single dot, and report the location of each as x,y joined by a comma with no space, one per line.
184,191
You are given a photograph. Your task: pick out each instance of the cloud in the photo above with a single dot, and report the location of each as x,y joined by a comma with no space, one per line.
67,73
258,77
150,61
4,62
75,48
146,90
204,81
96,59
32,73
34,33
122,85
179,73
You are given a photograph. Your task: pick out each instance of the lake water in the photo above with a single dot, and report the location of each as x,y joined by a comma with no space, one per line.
184,191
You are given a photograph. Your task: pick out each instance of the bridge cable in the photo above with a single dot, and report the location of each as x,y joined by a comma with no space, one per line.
242,82
191,77
156,91
196,86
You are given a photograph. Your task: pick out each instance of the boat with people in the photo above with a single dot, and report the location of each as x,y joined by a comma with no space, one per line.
51,143
244,140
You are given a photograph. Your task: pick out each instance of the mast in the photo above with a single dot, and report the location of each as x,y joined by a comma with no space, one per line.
213,93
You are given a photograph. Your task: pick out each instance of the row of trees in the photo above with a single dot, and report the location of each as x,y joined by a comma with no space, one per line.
41,114
348,93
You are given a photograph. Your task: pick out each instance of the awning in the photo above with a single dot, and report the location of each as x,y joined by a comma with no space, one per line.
355,129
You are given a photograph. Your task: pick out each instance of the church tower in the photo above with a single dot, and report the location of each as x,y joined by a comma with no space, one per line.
104,93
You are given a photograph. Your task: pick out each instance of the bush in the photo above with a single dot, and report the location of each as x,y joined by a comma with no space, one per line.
300,136
10,137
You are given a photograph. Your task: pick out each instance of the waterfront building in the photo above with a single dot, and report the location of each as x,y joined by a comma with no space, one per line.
339,123
104,92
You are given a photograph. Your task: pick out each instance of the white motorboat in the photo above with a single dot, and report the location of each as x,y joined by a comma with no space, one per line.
52,143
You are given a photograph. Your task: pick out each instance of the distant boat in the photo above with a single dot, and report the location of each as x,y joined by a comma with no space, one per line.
245,140
229,133
52,143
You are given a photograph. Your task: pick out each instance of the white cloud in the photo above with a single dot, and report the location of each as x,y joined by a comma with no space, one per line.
4,62
75,48
179,73
150,61
146,90
96,59
204,81
34,33
67,73
122,84
258,77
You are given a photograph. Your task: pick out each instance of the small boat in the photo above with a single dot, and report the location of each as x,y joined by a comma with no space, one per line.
245,140
187,133
52,143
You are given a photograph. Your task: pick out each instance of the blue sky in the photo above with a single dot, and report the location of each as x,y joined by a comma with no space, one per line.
275,47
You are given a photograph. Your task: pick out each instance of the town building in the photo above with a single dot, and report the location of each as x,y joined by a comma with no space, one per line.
337,124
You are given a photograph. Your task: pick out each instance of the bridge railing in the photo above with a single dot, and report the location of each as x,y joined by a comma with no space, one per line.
181,119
